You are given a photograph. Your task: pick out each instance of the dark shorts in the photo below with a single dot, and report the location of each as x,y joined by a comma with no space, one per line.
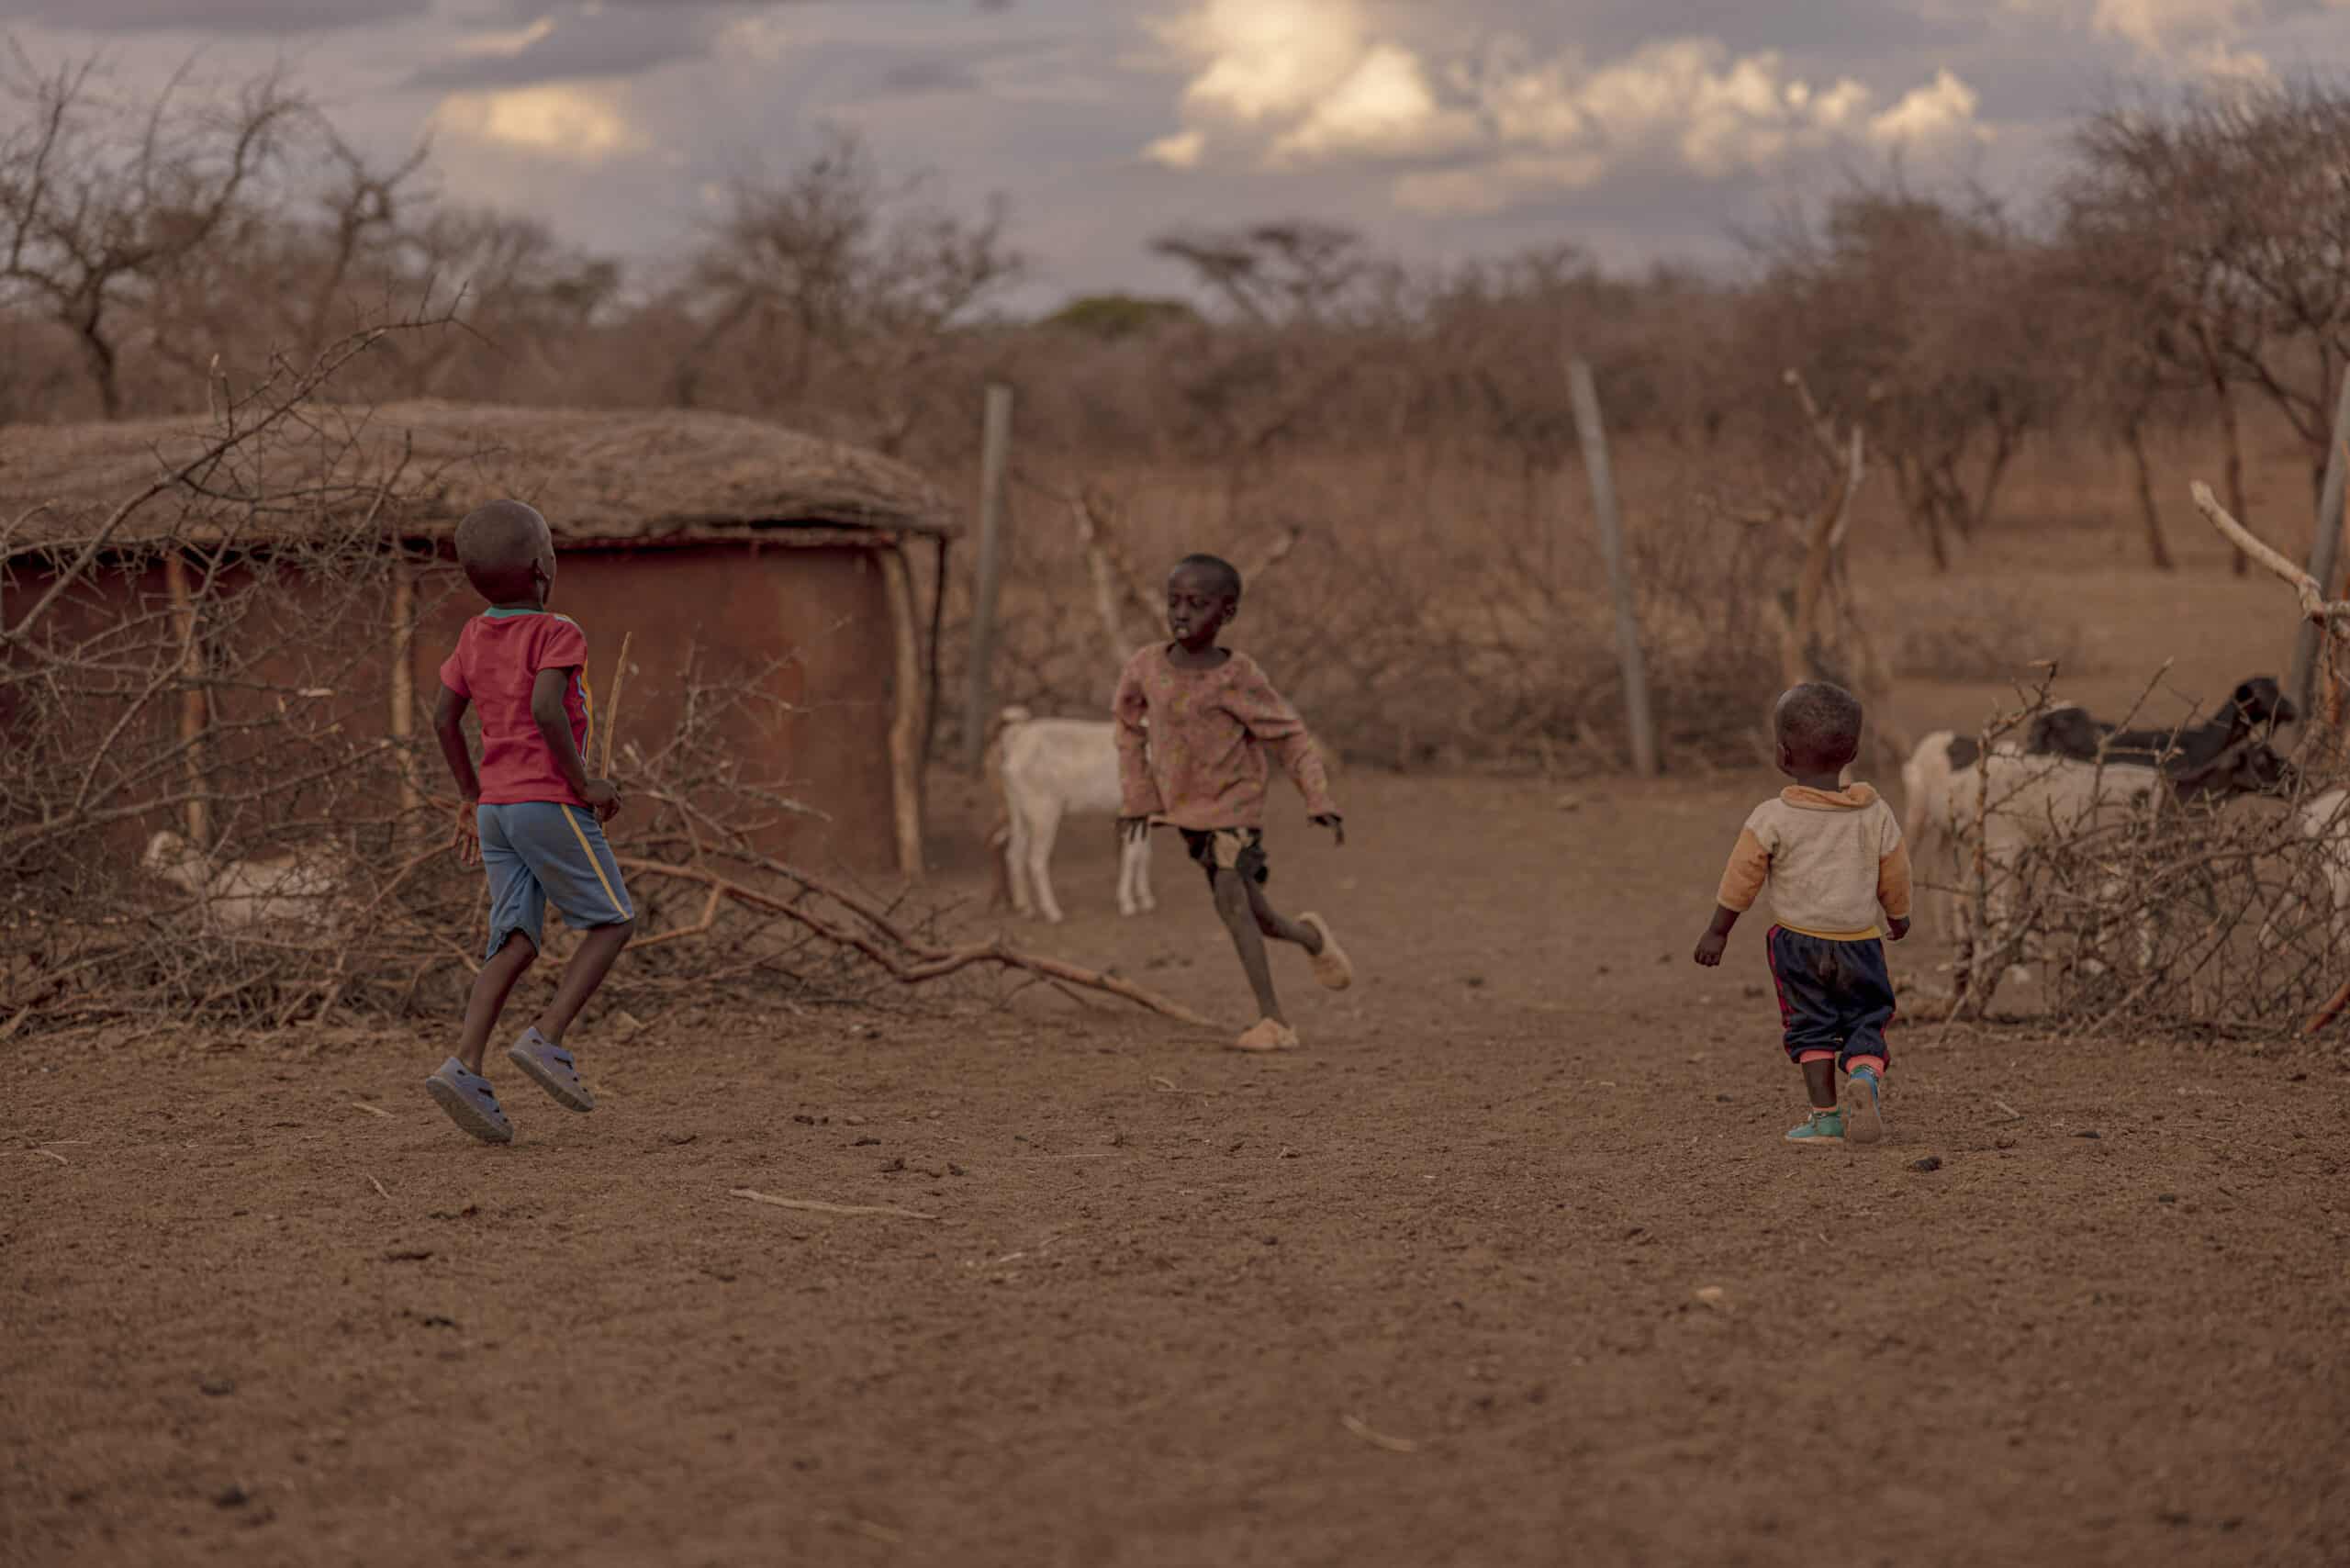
1833,996
1240,849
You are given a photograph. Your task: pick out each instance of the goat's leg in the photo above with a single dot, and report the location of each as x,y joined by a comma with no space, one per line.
1015,864
1043,827
1129,903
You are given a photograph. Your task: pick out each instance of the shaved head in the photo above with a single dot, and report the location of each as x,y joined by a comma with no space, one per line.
1818,726
499,544
1215,568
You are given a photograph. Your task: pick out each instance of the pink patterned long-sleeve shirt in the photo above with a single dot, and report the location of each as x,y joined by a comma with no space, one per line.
1200,762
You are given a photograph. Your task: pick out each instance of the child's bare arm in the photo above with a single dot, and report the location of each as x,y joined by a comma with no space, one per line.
1716,936
554,719
449,728
449,725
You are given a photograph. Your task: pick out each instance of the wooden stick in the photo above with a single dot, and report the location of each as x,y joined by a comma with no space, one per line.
2314,604
912,962
1275,554
379,1188
1354,1424
1637,712
994,457
2330,1012
403,693
817,1205
1105,596
2325,549
371,1110
905,716
613,710
192,704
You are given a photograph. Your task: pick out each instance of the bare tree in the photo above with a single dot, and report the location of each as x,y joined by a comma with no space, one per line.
1933,321
2237,206
99,197
834,273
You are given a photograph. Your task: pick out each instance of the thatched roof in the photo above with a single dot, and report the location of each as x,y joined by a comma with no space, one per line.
618,476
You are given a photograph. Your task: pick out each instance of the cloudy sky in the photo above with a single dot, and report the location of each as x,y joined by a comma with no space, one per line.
1639,128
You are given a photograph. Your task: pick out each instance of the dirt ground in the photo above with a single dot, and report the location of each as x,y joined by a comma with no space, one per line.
1510,1265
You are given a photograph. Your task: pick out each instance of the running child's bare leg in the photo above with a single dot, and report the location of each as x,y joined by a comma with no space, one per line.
491,988
586,972
1332,967
1235,903
1278,926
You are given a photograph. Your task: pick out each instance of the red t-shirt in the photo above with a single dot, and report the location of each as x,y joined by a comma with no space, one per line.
499,658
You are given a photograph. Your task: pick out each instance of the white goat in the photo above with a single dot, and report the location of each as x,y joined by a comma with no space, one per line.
2323,820
2035,799
288,887
1938,793
1044,769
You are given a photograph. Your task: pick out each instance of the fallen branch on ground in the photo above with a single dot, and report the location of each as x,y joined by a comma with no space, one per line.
817,1205
912,962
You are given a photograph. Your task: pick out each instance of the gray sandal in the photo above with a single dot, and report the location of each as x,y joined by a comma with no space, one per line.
466,1097
551,1068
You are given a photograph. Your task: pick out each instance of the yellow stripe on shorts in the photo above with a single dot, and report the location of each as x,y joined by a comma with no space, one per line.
589,851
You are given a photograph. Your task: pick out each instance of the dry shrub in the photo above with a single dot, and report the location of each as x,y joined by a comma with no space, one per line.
208,812
2150,914
1945,632
1438,609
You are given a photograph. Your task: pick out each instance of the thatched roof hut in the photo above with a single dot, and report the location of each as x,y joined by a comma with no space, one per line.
704,536
601,478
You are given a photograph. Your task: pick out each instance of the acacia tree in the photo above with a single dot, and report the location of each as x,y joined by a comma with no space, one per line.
1935,324
2233,208
100,199
834,276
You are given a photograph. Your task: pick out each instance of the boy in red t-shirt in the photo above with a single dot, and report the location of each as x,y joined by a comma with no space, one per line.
532,817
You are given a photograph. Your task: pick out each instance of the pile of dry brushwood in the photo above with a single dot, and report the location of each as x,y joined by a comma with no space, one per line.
204,818
2144,912
2150,914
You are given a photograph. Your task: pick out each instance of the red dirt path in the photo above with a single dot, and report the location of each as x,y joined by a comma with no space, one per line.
1476,1216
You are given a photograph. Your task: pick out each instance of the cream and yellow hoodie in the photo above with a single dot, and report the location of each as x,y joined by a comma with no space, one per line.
1831,860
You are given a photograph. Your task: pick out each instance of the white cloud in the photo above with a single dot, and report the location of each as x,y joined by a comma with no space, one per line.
1268,59
2152,25
2198,34
572,122
1290,82
1384,108
1940,113
1181,151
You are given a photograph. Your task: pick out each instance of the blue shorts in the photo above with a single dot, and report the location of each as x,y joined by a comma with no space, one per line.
537,850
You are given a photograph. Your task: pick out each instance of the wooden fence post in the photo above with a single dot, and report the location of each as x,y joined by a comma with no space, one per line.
995,460
2325,552
194,704
402,717
1611,544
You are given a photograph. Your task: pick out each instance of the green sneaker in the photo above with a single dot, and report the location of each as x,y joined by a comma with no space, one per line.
1818,1130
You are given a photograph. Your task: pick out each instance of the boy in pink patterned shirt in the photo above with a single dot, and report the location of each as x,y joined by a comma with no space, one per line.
1194,723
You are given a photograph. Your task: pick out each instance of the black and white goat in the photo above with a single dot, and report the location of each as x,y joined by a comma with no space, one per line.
2070,767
